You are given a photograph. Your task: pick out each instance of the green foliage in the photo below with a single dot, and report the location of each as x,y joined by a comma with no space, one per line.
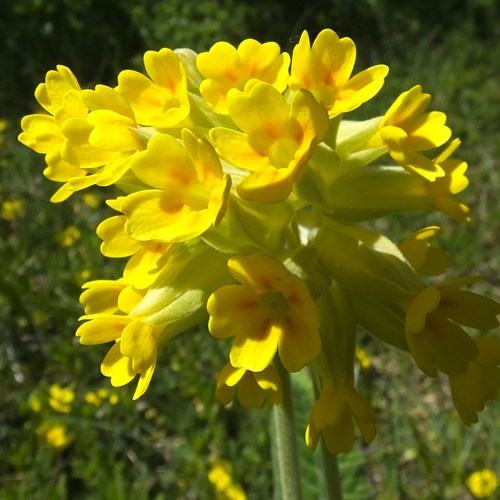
162,445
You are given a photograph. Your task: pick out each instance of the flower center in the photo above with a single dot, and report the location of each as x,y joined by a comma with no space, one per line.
275,304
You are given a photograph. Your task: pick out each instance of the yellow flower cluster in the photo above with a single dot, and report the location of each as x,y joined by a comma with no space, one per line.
245,193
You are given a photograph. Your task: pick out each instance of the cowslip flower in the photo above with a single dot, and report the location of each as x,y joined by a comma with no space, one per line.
274,142
60,96
325,69
480,383
427,260
270,311
251,388
189,190
226,67
434,336
407,129
333,415
162,99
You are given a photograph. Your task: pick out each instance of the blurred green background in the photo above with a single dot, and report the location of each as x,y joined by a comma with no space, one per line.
62,427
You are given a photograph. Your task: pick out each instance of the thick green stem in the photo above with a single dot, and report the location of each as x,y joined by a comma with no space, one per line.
286,440
332,474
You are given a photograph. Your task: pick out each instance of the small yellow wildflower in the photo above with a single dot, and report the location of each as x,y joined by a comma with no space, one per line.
35,403
113,399
82,276
220,476
39,317
11,210
482,483
60,398
54,435
92,398
91,200
69,236
363,359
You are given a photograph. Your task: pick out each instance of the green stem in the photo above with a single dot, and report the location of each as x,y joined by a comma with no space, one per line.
332,475
286,440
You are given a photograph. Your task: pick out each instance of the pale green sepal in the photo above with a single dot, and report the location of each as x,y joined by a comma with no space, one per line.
365,262
338,333
188,59
353,135
376,192
178,297
249,226
360,159
323,170
383,320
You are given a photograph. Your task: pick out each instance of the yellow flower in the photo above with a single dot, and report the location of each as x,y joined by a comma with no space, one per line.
363,359
91,200
333,416
425,259
443,190
103,141
251,388
435,339
143,266
93,398
139,320
54,435
60,95
482,483
407,129
35,403
161,100
481,381
11,210
226,67
276,141
220,476
325,69
60,398
82,276
69,236
189,195
272,310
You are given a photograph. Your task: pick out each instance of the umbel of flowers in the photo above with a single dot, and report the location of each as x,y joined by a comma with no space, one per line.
246,190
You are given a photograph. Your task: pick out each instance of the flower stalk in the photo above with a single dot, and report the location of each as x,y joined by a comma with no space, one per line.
285,440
